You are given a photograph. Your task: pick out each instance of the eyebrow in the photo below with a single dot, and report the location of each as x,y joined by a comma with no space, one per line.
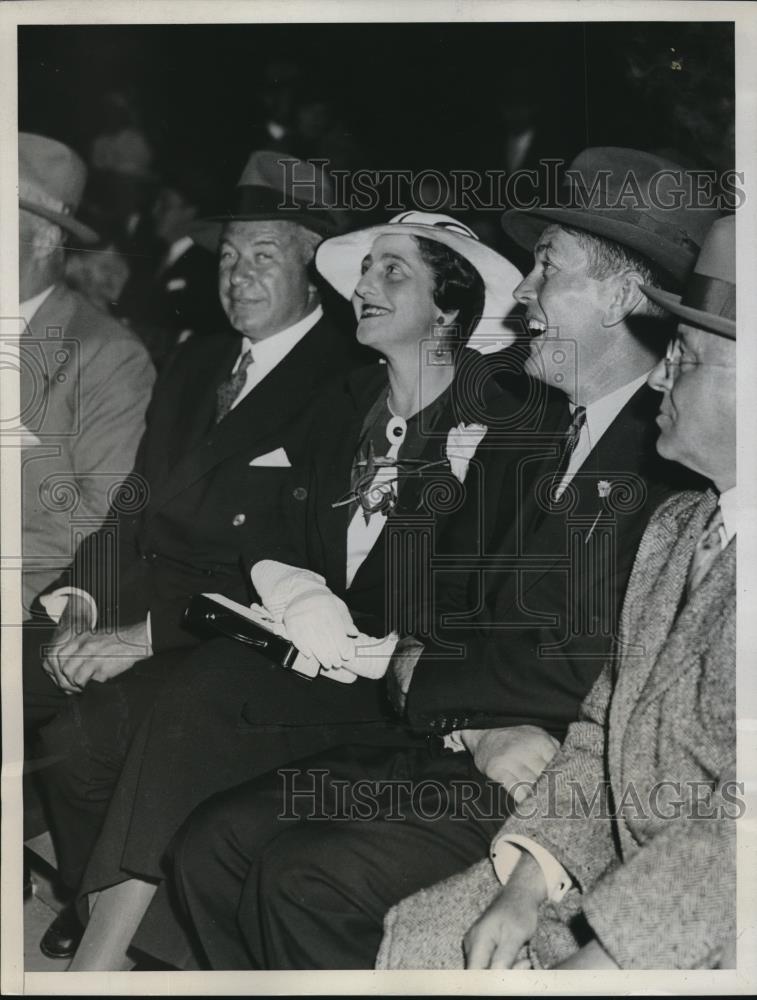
258,242
543,247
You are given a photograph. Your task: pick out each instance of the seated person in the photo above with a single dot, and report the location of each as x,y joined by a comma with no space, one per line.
385,449
651,883
267,888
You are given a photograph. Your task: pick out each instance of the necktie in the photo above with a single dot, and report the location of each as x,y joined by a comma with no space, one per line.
228,390
709,547
570,441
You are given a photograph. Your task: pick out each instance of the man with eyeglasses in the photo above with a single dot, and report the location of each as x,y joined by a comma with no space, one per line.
650,882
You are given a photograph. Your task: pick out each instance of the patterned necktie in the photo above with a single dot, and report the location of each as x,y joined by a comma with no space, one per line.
709,547
570,442
228,390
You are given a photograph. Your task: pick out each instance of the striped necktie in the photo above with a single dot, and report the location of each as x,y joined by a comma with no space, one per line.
228,390
709,547
570,442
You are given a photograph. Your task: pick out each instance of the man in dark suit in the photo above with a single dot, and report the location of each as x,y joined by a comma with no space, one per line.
265,888
215,473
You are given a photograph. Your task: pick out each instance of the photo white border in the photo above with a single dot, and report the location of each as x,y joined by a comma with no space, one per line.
13,980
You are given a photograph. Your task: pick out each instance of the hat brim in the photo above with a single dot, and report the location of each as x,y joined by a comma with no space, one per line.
78,229
525,227
721,325
207,232
339,258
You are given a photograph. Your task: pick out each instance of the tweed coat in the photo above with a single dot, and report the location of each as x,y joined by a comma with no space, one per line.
657,889
86,382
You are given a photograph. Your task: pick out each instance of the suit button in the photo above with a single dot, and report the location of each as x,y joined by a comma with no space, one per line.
300,493
238,519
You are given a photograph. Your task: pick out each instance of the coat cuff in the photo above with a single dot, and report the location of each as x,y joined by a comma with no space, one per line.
506,851
56,602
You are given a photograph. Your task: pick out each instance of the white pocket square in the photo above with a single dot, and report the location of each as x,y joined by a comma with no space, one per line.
273,459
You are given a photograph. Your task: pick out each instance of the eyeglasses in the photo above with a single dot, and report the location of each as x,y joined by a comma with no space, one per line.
675,360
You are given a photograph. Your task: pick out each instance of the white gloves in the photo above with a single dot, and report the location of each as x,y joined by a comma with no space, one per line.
319,623
371,659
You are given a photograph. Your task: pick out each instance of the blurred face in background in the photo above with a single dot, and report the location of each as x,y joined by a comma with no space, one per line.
172,215
697,418
263,276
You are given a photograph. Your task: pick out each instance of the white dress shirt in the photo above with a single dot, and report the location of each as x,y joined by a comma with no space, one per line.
599,415
728,504
30,306
268,353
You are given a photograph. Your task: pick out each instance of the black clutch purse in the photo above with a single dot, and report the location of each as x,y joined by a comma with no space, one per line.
213,614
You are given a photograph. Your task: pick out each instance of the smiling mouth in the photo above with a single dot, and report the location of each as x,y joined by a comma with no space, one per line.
536,325
369,312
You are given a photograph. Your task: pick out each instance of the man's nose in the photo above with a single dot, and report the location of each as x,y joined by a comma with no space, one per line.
525,292
242,272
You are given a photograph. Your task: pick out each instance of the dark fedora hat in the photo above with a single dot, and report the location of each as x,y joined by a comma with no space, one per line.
275,186
637,199
709,295
51,181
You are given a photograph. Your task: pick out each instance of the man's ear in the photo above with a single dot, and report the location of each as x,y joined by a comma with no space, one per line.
626,298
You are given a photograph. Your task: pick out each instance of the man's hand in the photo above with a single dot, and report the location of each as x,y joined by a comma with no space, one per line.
509,921
400,673
74,628
94,656
511,756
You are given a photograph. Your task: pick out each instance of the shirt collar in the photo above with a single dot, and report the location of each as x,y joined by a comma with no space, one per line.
30,306
601,413
729,509
268,352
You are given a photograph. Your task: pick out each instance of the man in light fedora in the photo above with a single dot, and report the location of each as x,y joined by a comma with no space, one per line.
216,472
85,379
651,882
546,602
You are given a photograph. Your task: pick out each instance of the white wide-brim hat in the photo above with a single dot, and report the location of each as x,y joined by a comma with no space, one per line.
339,259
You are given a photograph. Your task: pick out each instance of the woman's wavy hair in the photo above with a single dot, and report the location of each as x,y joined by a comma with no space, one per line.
457,285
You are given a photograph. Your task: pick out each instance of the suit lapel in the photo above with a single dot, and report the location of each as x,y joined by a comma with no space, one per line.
44,351
618,458
650,608
335,475
257,420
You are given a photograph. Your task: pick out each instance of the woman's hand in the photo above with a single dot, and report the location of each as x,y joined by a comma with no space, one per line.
320,625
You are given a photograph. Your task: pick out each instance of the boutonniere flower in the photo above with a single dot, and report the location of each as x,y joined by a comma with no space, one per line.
604,487
462,442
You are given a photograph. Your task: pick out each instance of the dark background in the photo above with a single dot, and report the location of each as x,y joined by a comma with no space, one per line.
405,95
